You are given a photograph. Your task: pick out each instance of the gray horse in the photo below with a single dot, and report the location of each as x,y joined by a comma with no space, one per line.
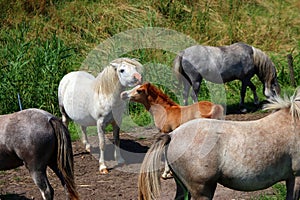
223,64
241,155
37,139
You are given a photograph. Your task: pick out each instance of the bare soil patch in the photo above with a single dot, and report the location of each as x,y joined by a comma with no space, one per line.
120,183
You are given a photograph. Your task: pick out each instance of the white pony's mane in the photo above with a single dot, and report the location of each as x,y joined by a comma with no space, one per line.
107,82
293,103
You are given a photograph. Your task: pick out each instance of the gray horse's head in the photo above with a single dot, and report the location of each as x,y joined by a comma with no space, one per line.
271,86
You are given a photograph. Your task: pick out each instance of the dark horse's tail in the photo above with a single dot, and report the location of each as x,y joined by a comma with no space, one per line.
149,178
65,161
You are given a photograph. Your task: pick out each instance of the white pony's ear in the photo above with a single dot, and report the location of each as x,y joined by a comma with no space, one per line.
115,65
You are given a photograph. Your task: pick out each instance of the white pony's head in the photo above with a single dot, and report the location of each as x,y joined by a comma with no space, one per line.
128,70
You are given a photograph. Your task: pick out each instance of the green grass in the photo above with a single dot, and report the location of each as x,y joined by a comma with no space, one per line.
43,40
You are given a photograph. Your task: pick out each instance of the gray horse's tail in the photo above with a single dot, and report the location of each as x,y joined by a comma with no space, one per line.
177,67
149,178
65,161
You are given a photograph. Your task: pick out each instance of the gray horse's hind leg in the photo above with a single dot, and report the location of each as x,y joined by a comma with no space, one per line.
40,179
253,88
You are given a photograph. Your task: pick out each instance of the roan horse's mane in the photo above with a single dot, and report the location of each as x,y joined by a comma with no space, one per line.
266,68
292,103
153,91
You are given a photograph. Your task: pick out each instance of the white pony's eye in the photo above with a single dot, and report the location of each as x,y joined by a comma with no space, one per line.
122,70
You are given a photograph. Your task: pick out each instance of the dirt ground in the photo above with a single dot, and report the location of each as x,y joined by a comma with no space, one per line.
120,183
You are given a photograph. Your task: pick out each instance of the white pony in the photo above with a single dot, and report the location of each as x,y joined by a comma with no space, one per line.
91,101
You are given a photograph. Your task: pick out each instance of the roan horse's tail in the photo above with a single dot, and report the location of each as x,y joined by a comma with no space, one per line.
65,156
149,178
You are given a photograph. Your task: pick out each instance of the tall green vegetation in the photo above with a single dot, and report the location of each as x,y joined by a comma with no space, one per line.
40,41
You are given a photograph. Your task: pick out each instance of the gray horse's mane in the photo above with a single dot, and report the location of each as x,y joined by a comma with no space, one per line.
107,82
293,103
266,68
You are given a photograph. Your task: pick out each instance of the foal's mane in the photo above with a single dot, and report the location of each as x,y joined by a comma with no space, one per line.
292,103
265,66
107,81
154,92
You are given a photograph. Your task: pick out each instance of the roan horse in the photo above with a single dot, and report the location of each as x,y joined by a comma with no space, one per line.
37,139
91,101
223,64
167,114
241,155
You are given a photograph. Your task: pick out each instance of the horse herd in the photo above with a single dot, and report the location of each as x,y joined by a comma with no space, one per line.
200,148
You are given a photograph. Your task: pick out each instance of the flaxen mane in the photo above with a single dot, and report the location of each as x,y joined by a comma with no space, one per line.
292,103
265,66
107,81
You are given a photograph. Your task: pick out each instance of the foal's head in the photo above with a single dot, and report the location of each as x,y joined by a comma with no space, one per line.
147,94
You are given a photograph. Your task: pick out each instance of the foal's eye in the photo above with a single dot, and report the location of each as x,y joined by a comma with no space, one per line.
139,91
122,70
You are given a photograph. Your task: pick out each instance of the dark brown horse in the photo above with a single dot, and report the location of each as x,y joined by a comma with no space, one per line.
37,139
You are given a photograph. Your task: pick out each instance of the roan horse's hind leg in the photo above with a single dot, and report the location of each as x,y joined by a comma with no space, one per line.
293,188
40,179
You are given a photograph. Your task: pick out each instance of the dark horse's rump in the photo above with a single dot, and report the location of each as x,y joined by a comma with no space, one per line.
37,139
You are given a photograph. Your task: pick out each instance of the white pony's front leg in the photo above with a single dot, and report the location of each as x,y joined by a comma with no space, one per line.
84,139
100,128
116,134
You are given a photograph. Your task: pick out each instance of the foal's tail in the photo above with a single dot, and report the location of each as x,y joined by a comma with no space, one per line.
149,178
217,112
65,156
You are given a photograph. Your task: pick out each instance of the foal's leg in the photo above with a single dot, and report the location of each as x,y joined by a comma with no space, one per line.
40,179
167,172
84,139
116,134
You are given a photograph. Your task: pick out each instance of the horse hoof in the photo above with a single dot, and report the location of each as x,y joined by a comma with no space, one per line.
104,171
167,176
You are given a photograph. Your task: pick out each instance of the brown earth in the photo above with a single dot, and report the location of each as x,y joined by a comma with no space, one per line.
120,183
